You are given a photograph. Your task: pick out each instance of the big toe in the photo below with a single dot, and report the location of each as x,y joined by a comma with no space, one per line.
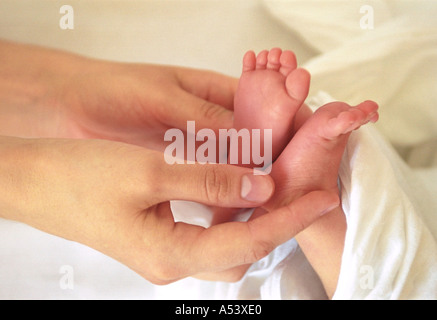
298,84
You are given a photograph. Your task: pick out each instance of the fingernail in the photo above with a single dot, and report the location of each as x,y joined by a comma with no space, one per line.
257,188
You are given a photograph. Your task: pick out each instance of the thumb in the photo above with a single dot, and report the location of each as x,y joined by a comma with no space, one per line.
243,243
214,184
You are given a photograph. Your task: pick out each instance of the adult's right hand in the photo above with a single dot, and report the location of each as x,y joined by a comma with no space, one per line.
114,197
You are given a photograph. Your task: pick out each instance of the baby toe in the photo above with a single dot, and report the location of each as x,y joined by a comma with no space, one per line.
261,59
249,61
273,59
288,62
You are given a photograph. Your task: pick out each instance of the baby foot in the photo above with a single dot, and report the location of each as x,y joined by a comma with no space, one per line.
270,92
312,158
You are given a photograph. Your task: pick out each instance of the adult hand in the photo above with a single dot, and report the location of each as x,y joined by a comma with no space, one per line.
114,197
49,93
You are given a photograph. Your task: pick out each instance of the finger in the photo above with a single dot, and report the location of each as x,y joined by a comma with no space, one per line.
233,244
208,85
206,114
286,222
212,184
236,273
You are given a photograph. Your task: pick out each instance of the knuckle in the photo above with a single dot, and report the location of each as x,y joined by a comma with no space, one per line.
217,184
262,249
210,111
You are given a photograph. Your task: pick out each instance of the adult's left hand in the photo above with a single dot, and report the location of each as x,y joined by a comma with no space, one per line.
62,95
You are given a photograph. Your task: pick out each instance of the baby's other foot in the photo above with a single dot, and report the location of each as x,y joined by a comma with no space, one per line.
312,158
343,119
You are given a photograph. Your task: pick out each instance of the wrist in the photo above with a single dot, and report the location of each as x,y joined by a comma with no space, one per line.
14,172
33,82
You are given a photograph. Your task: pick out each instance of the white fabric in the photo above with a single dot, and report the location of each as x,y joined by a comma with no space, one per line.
390,250
390,247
